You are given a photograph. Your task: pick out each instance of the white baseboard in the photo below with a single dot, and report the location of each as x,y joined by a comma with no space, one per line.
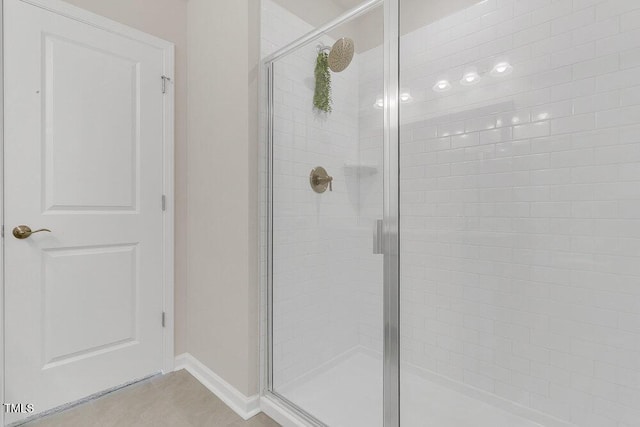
242,405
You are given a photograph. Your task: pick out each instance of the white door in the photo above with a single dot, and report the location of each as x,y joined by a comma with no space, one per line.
84,159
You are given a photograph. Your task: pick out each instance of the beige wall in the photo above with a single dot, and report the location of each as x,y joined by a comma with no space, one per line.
222,193
253,100
166,19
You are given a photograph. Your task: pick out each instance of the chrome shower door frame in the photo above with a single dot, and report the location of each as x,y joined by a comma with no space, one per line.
391,219
391,208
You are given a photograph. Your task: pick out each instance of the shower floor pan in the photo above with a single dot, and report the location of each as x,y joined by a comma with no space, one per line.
348,393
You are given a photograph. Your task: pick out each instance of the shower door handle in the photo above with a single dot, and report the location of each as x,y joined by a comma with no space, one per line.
378,248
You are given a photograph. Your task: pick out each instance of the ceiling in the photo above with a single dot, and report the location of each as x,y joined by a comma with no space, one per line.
347,4
367,30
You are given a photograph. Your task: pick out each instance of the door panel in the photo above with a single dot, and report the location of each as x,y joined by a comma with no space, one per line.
83,158
106,178
111,271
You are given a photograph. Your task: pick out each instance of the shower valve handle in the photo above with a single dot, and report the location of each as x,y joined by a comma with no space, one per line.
325,180
319,180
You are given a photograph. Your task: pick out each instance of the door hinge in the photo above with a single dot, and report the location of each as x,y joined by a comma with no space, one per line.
163,319
2,231
165,79
164,202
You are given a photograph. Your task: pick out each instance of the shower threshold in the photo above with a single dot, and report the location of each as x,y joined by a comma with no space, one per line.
347,392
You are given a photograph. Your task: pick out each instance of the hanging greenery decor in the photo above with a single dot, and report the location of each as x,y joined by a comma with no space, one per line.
322,96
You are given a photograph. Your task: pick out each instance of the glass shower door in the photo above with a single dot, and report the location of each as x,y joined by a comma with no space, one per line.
326,221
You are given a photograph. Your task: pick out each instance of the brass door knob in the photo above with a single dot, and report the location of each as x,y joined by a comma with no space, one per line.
24,231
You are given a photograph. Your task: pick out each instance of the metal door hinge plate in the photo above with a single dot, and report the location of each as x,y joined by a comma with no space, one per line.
165,80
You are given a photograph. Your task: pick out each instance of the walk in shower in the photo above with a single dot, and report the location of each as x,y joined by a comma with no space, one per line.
457,241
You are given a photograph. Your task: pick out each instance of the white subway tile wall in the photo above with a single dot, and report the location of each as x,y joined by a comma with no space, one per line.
520,205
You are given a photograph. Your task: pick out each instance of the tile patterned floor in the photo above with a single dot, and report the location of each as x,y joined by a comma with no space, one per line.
176,400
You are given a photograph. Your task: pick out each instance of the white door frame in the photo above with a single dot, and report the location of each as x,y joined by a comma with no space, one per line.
81,15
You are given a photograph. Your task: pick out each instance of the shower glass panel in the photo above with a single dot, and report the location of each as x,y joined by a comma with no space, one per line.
325,293
520,213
